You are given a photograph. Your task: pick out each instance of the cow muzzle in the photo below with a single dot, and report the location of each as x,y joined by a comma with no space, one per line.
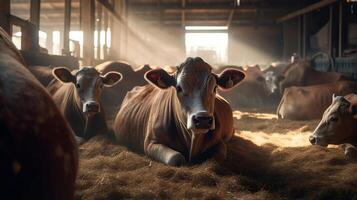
315,140
201,121
91,108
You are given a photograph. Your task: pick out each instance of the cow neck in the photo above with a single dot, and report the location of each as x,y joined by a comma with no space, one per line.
181,120
192,142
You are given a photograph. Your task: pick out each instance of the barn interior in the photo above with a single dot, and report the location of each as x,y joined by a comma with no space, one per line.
270,155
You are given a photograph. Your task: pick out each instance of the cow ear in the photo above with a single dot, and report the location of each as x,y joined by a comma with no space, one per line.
230,78
111,78
160,78
64,75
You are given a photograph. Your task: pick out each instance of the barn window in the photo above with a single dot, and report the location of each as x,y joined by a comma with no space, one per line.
208,42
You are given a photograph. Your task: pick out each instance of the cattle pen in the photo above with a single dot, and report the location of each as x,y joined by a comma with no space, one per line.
178,99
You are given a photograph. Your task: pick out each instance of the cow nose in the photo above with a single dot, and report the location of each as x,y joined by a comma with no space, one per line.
312,140
91,107
202,120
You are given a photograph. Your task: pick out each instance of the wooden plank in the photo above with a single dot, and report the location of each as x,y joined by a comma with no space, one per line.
4,15
35,9
305,10
183,13
88,25
67,26
99,28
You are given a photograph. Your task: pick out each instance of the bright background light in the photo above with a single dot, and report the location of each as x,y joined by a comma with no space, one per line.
212,47
205,28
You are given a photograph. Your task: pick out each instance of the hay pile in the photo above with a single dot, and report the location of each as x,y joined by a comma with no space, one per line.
267,167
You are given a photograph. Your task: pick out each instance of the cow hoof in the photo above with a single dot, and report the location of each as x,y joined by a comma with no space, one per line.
351,153
177,160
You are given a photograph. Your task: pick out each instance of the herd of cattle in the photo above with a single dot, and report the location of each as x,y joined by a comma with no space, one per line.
178,117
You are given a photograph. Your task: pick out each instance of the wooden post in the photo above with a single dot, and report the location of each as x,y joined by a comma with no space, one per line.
106,25
35,8
49,41
67,26
304,36
341,31
4,15
87,24
99,29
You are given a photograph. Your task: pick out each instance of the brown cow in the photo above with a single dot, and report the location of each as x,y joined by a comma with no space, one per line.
339,125
113,97
301,73
38,153
79,98
305,103
252,92
182,117
42,74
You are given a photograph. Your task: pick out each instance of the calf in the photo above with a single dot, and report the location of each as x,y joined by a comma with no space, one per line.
79,98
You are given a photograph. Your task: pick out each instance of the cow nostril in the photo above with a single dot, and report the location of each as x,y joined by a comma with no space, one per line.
312,140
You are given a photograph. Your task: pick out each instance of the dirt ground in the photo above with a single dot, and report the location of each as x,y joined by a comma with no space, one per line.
267,159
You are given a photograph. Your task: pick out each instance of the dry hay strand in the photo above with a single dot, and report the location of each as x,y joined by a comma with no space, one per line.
251,171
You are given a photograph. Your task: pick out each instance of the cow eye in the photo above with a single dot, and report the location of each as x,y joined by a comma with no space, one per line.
333,119
77,85
178,89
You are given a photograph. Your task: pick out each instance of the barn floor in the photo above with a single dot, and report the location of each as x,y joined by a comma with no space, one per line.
267,159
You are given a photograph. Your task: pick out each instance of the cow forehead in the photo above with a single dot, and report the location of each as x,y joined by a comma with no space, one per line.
88,72
194,72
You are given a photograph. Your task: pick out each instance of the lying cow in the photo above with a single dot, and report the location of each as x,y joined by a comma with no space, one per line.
338,125
42,74
113,97
79,98
179,117
38,154
301,73
305,103
252,92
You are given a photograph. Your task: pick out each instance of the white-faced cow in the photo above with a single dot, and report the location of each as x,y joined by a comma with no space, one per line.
38,153
179,117
79,98
339,125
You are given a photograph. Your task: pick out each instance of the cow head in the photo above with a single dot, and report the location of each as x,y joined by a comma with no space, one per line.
335,123
196,88
88,83
272,81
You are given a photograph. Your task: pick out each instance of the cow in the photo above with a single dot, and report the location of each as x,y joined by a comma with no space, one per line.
273,75
42,74
79,99
338,125
301,73
113,97
38,153
252,92
179,118
305,103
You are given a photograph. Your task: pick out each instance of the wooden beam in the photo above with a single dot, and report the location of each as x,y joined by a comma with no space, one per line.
231,14
87,24
305,10
67,26
99,28
106,26
341,25
35,9
4,15
183,13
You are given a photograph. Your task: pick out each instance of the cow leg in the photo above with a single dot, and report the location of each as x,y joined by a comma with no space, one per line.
350,151
165,154
220,151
